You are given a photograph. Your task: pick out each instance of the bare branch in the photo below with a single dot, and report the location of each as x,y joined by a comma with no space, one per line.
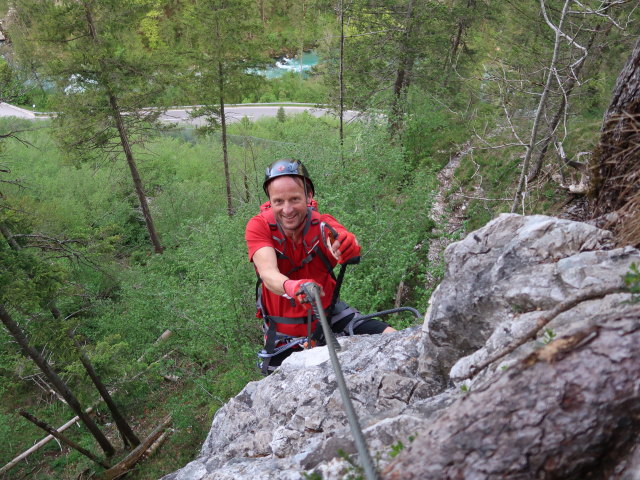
522,184
540,323
600,11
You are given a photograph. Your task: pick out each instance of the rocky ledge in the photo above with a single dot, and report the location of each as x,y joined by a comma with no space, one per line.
526,366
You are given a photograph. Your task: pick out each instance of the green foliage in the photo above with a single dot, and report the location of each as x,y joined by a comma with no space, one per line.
289,88
25,280
312,476
99,75
396,448
354,471
215,334
221,70
431,132
548,336
11,87
122,298
632,281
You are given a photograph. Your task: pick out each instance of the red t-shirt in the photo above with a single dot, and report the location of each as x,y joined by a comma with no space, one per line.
258,234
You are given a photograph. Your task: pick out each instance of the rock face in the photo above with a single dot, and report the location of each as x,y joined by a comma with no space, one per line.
568,406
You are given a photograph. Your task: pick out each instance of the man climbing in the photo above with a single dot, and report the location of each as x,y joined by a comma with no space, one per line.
285,244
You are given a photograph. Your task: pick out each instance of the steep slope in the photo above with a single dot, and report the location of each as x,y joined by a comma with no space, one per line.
568,404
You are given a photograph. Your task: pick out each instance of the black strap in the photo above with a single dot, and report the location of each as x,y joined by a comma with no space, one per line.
270,320
288,320
269,345
272,335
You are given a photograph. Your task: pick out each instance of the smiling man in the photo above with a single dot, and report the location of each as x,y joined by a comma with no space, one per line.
285,244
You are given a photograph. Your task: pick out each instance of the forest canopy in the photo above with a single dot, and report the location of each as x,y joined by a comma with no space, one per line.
122,236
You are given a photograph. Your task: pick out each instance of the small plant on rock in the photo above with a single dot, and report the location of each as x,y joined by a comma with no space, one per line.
632,280
548,336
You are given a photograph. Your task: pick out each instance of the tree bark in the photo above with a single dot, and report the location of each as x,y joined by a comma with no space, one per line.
40,444
570,410
52,431
135,175
403,73
463,23
615,170
225,151
129,462
128,437
341,82
55,380
6,233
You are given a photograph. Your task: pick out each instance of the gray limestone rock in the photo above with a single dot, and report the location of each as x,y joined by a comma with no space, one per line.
294,420
513,265
499,281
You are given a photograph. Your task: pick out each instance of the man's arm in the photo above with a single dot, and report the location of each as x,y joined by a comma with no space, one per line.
266,263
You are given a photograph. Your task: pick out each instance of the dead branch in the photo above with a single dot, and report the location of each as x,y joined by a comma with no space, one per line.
55,433
522,182
41,443
540,323
136,455
157,444
162,338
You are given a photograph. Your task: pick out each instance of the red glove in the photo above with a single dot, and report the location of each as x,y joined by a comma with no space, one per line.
346,247
293,288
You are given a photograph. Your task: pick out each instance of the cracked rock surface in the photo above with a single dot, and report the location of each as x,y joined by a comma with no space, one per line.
565,405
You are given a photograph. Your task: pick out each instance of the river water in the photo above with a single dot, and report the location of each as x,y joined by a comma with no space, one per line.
284,64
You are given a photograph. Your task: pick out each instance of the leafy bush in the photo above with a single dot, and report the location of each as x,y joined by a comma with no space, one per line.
202,287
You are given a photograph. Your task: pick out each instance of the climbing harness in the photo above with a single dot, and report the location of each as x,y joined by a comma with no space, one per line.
314,232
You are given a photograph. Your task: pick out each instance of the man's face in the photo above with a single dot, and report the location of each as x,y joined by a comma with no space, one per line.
288,202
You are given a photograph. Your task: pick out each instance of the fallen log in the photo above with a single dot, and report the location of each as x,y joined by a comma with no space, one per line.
63,439
136,454
40,444
157,444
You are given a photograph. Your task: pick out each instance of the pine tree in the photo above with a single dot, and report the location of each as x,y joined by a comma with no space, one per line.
388,45
222,48
104,74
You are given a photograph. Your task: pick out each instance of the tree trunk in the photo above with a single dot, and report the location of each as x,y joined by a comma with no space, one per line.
128,437
614,165
6,233
135,176
55,380
125,431
524,173
457,40
403,74
571,410
121,468
39,445
53,432
126,147
225,154
341,82
568,88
